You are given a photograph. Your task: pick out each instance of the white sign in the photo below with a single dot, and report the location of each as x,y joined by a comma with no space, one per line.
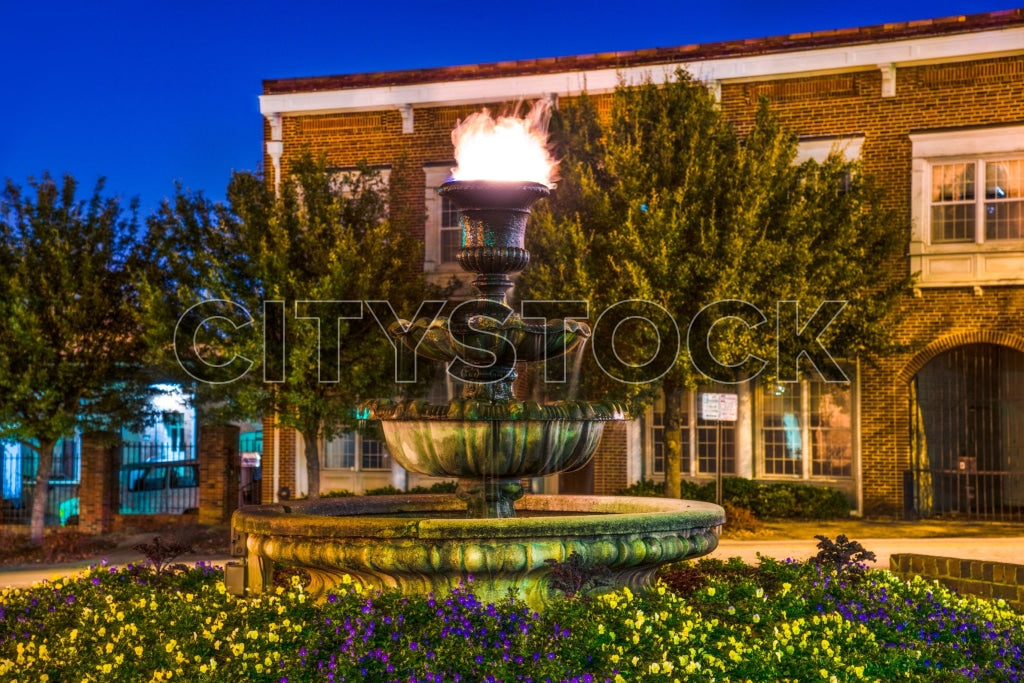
250,458
720,407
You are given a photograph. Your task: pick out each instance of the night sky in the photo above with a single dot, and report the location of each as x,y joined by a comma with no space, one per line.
150,92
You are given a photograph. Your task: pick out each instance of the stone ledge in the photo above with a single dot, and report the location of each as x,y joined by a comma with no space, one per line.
991,580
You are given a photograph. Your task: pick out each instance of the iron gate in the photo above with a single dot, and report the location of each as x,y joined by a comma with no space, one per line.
158,478
967,434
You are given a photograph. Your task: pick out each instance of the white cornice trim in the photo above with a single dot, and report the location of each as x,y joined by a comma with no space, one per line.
895,54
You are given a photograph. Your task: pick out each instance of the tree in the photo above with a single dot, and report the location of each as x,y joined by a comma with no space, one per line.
668,204
71,353
297,265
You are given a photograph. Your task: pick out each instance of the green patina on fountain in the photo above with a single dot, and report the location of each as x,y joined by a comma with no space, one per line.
490,529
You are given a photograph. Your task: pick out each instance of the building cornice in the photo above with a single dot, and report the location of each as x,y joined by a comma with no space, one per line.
884,55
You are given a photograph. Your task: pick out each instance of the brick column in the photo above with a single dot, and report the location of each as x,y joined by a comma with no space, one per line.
218,473
280,445
98,487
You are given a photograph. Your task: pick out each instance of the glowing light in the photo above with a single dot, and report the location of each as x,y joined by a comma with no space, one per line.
507,148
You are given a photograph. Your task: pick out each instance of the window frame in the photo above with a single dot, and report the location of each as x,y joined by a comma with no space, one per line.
435,175
971,262
359,443
809,433
695,440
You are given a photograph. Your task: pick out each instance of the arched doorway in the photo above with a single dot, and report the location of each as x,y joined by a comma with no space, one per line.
967,433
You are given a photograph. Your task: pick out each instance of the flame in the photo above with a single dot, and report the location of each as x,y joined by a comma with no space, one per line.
507,148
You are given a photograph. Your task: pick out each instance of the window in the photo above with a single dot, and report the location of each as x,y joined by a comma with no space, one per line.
451,232
957,208
698,441
340,453
967,207
442,235
806,429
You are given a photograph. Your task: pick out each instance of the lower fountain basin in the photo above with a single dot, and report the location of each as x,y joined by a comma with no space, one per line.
413,543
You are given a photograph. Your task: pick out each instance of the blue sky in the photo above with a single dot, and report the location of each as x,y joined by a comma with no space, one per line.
150,92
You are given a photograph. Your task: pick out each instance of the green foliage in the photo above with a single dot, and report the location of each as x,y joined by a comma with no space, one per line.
71,348
388,490
644,487
667,203
436,487
767,500
326,237
337,493
708,621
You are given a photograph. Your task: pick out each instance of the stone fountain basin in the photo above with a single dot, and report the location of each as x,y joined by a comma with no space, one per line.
423,543
492,448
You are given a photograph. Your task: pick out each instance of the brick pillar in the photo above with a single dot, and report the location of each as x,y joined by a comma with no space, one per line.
98,487
218,473
280,444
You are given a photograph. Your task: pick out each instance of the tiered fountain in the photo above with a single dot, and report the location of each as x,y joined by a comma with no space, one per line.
490,442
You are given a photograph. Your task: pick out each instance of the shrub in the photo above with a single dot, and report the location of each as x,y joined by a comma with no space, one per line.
436,487
842,555
765,500
645,488
388,490
740,519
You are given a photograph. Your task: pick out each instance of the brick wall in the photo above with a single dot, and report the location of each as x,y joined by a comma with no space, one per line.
969,93
993,580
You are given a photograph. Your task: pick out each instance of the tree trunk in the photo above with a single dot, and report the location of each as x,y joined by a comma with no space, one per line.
41,492
312,443
673,443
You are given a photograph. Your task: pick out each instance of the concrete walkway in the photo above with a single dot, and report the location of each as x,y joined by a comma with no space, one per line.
25,576
1001,549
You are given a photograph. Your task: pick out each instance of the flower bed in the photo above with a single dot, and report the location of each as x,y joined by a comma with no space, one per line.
709,621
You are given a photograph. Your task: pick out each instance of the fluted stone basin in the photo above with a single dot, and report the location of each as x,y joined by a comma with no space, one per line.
424,543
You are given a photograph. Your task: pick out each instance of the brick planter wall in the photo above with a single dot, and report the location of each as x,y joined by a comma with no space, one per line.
991,580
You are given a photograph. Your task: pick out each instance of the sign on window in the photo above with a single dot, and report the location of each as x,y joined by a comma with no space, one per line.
718,407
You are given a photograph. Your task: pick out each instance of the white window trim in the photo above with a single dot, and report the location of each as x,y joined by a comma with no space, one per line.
357,455
960,263
435,175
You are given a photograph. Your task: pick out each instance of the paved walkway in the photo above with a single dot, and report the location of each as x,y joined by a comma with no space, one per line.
25,576
1004,549
1000,549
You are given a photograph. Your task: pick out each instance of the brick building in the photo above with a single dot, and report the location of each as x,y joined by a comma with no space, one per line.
932,108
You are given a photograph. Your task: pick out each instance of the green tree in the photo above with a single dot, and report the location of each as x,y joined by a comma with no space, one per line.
296,264
668,204
71,352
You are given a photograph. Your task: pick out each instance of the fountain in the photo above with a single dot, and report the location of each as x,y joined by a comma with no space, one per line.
490,528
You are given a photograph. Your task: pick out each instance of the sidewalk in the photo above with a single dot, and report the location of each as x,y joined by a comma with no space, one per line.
24,576
1008,549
